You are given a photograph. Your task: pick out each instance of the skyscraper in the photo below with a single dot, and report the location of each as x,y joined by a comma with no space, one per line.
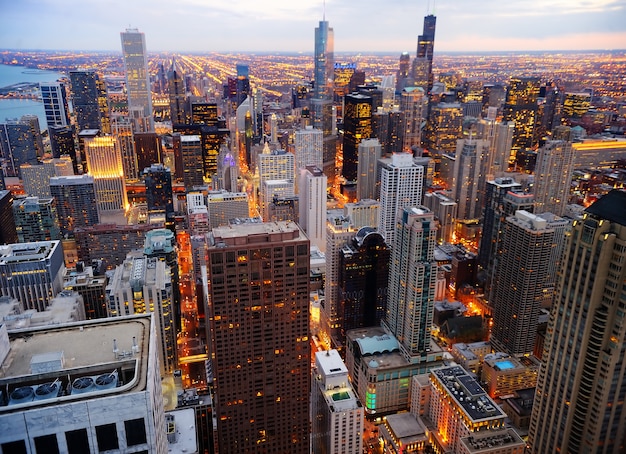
178,102
36,219
313,196
104,161
76,202
423,63
414,104
137,75
258,328
357,122
553,176
8,234
370,151
309,148
54,100
19,145
89,101
401,182
468,185
324,62
521,108
159,195
412,282
582,383
531,246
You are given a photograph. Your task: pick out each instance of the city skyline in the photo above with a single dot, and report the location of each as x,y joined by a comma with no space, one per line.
280,25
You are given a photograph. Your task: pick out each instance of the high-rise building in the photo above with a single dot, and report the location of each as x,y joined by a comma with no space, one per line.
363,213
191,160
412,283
177,94
137,75
414,105
36,219
89,100
578,403
530,250
104,162
54,98
148,149
357,121
521,108
468,185
260,357
102,374
403,73
500,138
575,105
443,128
313,197
32,273
8,234
309,148
370,151
553,176
159,195
224,206
123,133
363,280
19,144
142,285
337,415
62,142
423,63
445,210
324,62
92,288
76,202
401,185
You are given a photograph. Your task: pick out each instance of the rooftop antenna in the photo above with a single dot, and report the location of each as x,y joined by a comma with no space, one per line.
324,12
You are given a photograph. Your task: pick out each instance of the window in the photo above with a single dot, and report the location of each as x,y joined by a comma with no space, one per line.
135,432
107,437
77,441
47,444
14,447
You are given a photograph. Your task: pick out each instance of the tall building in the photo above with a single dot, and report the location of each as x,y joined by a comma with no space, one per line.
553,176
521,108
123,132
142,285
92,288
191,160
401,185
445,210
443,128
324,62
414,105
32,273
89,100
582,383
159,195
224,206
8,234
104,162
137,75
337,415
412,283
309,148
148,149
275,165
54,98
357,126
62,142
258,327
36,219
177,94
468,185
76,202
313,197
423,63
19,144
531,247
500,138
103,375
363,280
370,151
403,73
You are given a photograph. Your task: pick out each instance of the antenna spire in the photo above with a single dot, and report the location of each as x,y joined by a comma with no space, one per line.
324,12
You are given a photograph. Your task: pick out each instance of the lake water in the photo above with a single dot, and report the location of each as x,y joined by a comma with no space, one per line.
15,108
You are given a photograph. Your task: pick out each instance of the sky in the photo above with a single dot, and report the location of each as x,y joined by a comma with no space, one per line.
288,25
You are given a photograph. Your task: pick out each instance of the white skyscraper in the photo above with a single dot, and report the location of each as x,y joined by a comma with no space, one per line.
309,148
137,76
553,176
468,185
370,151
401,182
313,205
413,103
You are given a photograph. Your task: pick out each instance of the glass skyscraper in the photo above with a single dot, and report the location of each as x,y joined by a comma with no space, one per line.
137,76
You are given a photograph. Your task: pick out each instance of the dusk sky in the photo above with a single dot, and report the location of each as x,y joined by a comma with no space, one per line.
287,25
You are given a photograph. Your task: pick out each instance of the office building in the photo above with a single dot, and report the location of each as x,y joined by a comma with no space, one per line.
159,195
521,109
76,202
123,132
313,197
423,63
499,135
224,206
465,415
95,383
109,243
414,104
191,160
104,162
363,280
468,183
89,100
363,213
91,288
54,98
36,178
337,415
309,148
412,282
284,208
137,75
357,126
323,75
32,273
8,234
148,149
445,211
370,151
19,144
443,128
260,358
36,219
62,142
504,374
553,176
401,185
177,94
581,383
274,189
142,285
575,105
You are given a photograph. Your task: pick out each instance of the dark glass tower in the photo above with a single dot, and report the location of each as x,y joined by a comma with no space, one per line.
521,107
423,64
89,100
178,105
159,196
357,125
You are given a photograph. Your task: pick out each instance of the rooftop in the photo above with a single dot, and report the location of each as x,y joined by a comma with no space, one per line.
611,207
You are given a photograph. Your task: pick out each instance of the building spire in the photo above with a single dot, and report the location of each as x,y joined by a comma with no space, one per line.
324,12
